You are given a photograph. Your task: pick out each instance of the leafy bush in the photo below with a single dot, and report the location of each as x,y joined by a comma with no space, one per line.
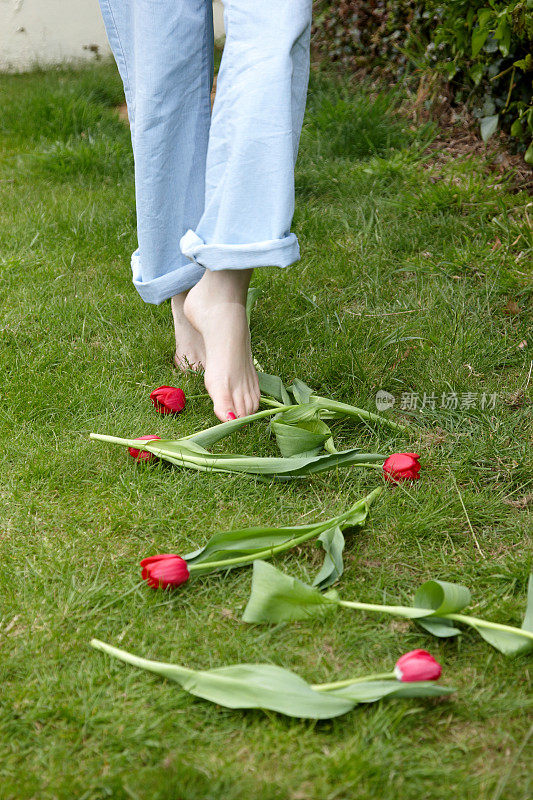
482,48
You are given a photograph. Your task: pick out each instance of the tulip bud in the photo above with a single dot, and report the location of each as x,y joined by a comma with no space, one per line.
142,455
168,400
418,665
402,467
164,571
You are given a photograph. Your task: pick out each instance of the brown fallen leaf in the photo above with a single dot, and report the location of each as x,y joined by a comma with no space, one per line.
512,308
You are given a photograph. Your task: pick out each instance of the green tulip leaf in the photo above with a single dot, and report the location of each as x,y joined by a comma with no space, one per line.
332,409
333,543
295,467
441,597
245,541
370,691
356,517
508,643
272,386
263,542
438,626
305,438
304,412
276,597
214,434
300,391
263,686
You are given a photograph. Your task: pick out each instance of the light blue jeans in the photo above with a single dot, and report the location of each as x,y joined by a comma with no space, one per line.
216,190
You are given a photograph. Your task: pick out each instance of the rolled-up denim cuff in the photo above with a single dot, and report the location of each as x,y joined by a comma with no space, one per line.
271,253
158,290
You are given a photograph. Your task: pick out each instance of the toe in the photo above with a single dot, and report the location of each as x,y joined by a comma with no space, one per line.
222,401
239,402
251,403
224,411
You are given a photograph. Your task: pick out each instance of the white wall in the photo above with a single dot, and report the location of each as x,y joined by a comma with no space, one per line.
46,32
218,12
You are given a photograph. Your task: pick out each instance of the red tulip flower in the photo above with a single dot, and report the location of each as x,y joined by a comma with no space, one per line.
164,571
418,665
402,467
168,400
142,455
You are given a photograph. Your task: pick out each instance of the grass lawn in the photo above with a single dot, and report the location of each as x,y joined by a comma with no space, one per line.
413,279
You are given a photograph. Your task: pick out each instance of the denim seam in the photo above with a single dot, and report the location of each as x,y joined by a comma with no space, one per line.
120,45
227,10
208,82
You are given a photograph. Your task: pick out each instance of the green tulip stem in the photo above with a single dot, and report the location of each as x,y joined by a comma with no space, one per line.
397,610
242,420
378,676
280,548
270,401
475,622
352,411
406,611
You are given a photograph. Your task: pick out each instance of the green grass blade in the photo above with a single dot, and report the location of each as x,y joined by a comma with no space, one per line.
527,624
254,292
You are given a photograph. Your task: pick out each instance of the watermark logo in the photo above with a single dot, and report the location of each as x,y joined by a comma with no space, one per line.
452,401
384,400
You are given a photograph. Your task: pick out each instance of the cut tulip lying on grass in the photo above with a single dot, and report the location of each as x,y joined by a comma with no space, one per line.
299,428
188,453
168,400
276,597
272,688
237,548
417,665
143,455
402,467
164,571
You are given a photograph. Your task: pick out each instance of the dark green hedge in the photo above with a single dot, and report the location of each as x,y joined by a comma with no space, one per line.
482,48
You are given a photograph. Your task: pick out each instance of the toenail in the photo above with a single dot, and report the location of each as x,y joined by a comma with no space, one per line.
230,415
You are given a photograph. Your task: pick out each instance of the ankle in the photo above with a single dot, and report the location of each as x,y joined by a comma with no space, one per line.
177,302
227,285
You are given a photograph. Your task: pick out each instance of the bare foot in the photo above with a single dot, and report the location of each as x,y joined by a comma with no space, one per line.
216,308
190,350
